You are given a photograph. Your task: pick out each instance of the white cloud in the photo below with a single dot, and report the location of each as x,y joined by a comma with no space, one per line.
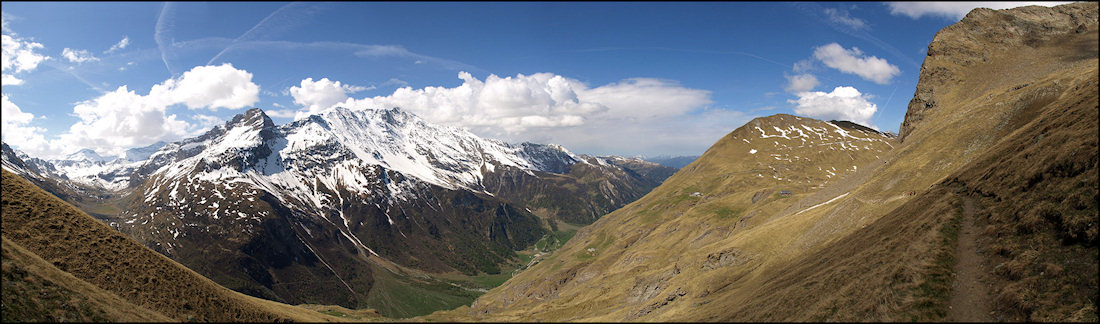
395,81
8,79
120,45
801,83
19,56
281,113
78,56
844,103
954,10
645,97
841,17
204,123
211,87
16,131
320,95
546,107
686,134
853,61
122,118
803,65
4,18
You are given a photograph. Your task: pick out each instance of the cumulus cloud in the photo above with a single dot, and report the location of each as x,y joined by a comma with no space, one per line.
120,45
954,10
319,95
844,103
204,123
842,17
549,108
281,113
19,55
511,105
801,83
78,56
853,61
123,118
211,87
803,66
16,129
8,79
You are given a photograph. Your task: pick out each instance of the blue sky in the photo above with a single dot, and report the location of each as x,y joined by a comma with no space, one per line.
600,78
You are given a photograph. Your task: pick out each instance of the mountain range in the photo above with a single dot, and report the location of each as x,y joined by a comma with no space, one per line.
309,211
982,208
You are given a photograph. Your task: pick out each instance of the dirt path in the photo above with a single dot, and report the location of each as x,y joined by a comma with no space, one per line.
969,294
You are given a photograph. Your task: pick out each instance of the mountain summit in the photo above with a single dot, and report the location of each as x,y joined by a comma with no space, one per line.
328,201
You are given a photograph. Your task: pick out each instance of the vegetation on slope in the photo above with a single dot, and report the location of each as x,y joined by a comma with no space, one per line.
1007,129
36,291
90,251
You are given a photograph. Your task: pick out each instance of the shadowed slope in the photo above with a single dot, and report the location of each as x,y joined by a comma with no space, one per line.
75,243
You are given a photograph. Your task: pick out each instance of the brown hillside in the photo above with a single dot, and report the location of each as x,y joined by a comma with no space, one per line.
999,150
36,291
95,254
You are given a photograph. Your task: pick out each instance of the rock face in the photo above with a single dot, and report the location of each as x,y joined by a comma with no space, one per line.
1001,133
306,212
982,35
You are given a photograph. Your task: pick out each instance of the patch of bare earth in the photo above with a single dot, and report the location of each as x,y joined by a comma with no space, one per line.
969,293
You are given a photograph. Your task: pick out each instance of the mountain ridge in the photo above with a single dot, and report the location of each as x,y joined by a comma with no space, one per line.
881,242
340,196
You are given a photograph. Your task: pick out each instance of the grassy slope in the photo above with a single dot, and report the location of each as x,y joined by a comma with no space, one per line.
618,266
877,254
35,290
92,252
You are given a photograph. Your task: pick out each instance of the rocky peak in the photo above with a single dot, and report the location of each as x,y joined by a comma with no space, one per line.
982,35
255,118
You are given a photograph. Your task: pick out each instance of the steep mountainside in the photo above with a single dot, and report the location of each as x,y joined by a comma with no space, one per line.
623,262
986,209
312,211
63,265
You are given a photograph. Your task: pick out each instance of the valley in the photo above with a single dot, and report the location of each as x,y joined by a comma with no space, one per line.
982,208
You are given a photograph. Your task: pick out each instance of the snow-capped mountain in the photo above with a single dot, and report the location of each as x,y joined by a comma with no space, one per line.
143,153
310,200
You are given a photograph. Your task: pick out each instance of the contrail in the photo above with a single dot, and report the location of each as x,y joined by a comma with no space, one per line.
162,37
814,10
61,68
249,32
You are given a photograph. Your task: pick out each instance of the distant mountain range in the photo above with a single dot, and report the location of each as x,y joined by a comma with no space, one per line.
304,212
675,162
982,209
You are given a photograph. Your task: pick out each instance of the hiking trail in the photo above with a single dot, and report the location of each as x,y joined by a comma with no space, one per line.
970,300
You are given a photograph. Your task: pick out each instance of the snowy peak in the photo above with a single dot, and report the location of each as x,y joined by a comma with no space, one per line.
143,153
88,155
254,118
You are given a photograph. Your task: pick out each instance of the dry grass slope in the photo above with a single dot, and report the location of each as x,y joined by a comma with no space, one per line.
95,254
1008,129
36,291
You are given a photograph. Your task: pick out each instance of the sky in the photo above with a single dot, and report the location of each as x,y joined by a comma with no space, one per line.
620,78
